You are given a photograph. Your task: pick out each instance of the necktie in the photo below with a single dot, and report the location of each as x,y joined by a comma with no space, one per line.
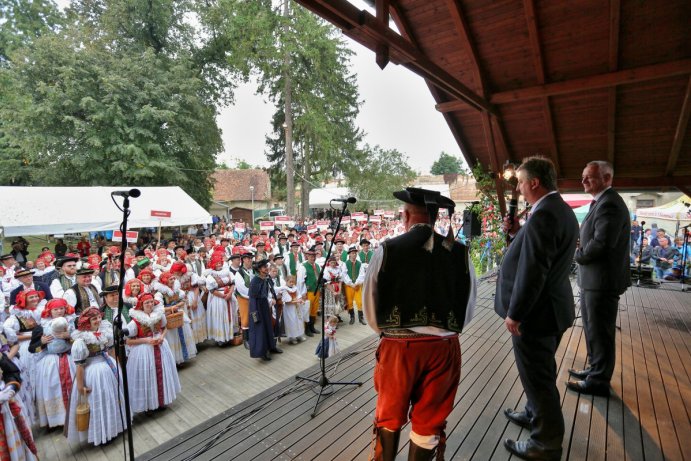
592,204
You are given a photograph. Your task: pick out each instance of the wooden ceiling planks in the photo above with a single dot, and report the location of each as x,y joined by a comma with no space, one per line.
593,79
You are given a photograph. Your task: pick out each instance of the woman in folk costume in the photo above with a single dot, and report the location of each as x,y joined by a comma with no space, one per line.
195,309
133,288
151,372
55,369
162,263
16,440
24,317
334,300
147,278
293,311
97,381
219,315
180,340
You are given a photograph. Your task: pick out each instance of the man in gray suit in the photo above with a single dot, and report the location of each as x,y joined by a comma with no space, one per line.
603,275
535,299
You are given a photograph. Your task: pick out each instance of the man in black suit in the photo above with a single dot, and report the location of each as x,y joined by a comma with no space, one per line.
603,275
535,299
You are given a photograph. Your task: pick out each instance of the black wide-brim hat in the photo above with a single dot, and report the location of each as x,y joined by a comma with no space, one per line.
259,264
22,273
85,271
110,289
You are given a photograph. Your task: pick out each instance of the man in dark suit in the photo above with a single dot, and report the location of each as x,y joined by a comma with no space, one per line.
603,275
27,282
535,299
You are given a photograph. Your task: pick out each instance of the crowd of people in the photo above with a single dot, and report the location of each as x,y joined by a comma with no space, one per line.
57,316
668,256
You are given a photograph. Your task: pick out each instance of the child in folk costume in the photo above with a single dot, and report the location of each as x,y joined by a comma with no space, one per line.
146,276
55,369
97,381
24,317
16,439
333,302
195,308
151,372
294,313
329,347
219,315
181,339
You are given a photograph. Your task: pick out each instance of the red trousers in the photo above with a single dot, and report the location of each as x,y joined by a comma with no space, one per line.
421,374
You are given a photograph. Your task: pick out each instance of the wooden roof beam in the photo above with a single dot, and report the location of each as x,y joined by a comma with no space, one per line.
538,63
679,133
364,28
633,183
622,77
613,61
467,43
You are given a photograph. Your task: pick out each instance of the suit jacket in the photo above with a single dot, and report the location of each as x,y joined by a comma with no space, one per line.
38,286
603,256
533,286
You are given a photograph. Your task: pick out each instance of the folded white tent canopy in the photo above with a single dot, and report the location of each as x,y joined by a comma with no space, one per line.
63,210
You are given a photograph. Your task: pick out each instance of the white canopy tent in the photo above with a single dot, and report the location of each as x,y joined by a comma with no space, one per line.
62,210
675,211
321,198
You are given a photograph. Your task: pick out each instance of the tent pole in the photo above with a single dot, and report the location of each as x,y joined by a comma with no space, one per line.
159,233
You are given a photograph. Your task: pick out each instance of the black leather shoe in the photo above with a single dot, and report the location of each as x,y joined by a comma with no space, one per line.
518,417
525,449
276,350
584,387
266,357
307,330
580,374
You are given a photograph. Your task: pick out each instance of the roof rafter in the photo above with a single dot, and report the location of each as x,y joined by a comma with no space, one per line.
622,77
534,37
680,131
365,29
634,183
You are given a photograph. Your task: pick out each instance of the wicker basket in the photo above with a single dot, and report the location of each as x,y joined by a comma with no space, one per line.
237,340
174,320
83,414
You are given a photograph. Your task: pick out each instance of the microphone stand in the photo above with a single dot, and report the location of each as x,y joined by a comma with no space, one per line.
323,381
118,332
684,255
640,255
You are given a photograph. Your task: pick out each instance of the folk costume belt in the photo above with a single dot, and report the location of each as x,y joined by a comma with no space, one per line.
404,333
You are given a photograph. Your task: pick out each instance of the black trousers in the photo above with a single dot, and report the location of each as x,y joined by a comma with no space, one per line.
537,369
599,313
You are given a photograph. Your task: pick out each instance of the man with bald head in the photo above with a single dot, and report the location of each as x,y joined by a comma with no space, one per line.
603,275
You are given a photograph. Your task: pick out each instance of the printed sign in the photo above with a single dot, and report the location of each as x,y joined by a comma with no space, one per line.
239,226
345,221
323,225
359,216
311,228
284,221
389,215
131,236
161,214
375,219
266,225
378,212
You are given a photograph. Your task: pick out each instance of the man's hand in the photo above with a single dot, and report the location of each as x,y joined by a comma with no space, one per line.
509,227
512,326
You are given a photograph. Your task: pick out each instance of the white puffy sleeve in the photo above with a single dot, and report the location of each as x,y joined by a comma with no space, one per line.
79,351
132,329
11,324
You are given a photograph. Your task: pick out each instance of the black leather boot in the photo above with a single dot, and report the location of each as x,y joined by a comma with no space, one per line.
361,318
246,339
311,325
386,444
416,453
307,329
352,317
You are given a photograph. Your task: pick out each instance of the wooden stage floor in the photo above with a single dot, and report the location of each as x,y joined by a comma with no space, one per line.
647,418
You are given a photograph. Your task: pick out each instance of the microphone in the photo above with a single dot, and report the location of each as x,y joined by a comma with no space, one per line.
642,223
513,207
345,200
134,193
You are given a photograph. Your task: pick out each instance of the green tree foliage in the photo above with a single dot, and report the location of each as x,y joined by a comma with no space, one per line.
125,94
383,172
23,21
447,163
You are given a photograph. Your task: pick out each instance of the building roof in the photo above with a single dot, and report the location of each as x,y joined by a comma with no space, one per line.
234,185
574,81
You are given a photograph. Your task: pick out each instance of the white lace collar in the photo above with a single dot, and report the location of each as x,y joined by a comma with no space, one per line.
90,338
148,320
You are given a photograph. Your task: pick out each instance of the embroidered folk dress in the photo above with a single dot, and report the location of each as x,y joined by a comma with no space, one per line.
54,375
102,376
219,314
151,372
294,313
20,322
181,340
16,440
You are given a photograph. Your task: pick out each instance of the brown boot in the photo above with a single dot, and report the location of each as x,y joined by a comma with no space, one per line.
386,444
416,453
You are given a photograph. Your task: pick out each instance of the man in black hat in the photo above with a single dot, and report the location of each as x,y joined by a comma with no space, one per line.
262,296
419,292
242,280
353,278
110,295
67,267
26,281
83,294
282,247
308,274
365,255
295,259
